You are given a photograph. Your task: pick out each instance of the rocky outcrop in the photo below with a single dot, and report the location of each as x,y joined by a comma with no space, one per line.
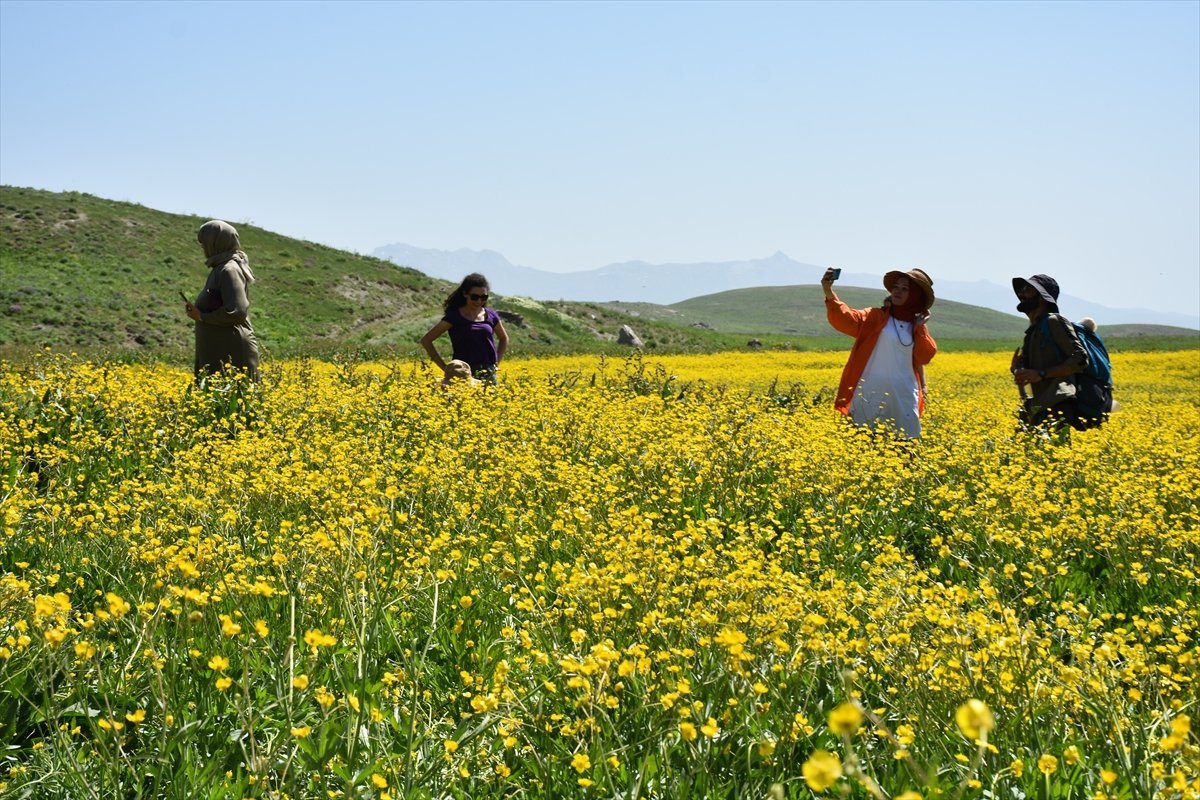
627,336
512,318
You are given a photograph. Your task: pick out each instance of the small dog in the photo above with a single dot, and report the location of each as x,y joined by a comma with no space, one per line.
1091,325
459,370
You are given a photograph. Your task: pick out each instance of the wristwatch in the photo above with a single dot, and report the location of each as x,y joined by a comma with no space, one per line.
1042,374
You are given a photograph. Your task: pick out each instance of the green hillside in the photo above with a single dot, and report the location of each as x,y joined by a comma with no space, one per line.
103,277
82,271
799,311
98,275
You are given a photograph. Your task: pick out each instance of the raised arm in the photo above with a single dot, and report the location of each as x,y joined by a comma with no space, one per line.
843,318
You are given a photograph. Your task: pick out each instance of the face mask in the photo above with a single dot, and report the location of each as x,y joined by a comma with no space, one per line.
1025,306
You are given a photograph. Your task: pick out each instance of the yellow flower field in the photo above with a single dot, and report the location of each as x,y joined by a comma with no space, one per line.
676,577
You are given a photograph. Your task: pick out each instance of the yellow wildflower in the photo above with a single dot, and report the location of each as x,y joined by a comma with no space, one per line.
315,638
845,719
117,606
974,719
821,770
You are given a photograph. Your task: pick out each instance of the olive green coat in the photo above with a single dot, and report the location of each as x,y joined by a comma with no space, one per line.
224,337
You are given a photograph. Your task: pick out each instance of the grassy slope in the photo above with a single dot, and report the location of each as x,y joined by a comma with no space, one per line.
800,311
98,275
83,271
103,276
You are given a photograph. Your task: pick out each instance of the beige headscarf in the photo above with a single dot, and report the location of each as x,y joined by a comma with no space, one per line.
221,245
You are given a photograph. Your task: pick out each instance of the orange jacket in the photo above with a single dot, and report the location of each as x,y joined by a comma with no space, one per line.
865,325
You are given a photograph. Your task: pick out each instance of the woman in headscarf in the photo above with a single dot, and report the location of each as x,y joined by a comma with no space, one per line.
884,379
224,338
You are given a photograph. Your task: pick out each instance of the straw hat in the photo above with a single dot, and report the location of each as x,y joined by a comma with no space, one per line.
916,277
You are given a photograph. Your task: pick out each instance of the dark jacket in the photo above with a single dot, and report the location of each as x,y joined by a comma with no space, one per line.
1042,352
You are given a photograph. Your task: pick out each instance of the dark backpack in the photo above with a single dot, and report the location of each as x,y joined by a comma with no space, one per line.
1093,386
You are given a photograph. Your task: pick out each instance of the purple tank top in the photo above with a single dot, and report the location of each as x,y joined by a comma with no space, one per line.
474,342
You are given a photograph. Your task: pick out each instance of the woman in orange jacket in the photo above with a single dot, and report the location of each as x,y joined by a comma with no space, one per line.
884,379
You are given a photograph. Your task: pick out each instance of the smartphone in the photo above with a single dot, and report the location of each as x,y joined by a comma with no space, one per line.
837,273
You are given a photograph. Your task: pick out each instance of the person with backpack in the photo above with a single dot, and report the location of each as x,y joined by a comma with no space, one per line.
1065,379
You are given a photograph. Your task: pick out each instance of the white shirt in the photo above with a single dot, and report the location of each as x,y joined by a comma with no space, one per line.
888,389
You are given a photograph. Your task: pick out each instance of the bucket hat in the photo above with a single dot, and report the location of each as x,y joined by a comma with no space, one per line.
1044,285
916,276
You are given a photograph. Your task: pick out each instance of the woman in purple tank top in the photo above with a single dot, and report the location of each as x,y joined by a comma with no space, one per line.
477,333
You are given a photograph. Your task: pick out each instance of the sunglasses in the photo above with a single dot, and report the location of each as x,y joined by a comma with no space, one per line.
479,298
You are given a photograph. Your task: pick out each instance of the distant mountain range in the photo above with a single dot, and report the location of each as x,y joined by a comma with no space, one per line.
665,284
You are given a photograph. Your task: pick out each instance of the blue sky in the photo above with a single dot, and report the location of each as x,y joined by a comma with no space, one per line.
976,140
